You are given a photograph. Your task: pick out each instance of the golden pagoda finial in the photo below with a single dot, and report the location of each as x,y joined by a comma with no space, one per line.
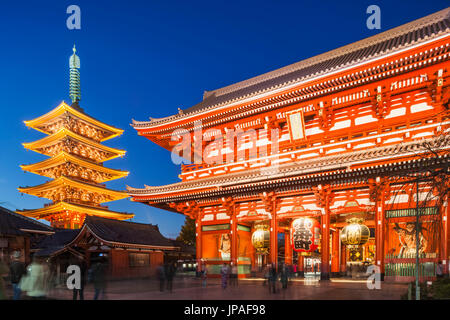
74,82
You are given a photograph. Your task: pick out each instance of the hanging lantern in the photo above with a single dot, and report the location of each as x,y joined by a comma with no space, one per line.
356,233
305,234
261,238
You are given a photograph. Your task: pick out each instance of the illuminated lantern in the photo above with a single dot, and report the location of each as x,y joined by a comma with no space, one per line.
305,234
261,238
355,234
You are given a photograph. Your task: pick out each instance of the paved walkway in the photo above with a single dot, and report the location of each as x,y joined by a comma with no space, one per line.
190,289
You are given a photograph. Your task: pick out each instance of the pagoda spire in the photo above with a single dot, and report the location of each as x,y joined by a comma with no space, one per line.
74,82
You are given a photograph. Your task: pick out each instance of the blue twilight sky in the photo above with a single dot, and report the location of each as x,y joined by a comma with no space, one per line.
147,58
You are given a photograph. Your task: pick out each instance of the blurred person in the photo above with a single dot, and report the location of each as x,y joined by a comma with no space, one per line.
83,270
272,278
439,270
3,272
354,271
266,274
253,271
17,270
234,275
169,271
36,283
224,272
204,275
161,276
349,270
99,274
284,274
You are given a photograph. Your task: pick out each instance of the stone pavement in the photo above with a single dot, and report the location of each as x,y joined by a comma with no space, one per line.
191,289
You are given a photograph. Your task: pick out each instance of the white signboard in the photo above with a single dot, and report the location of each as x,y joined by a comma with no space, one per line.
296,124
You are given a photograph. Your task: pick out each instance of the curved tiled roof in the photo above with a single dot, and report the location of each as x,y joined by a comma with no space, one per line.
127,232
56,241
393,40
12,223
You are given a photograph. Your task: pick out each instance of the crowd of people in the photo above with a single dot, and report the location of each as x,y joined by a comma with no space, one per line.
35,280
284,273
229,274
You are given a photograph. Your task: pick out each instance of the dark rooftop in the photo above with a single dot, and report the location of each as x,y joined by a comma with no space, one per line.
127,232
59,239
12,223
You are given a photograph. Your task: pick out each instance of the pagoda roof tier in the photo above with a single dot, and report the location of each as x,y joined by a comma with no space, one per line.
408,36
62,206
63,181
304,170
41,168
62,109
63,133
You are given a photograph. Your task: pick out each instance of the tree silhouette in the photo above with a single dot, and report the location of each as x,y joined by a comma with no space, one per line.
187,233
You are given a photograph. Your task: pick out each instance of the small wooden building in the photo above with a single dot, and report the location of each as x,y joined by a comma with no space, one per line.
133,250
19,233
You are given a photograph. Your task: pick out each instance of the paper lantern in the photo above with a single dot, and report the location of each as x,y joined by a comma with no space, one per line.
355,234
305,234
261,239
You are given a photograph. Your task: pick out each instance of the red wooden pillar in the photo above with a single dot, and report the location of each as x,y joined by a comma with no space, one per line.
274,239
383,231
343,258
325,244
253,259
445,240
234,236
379,232
253,255
335,253
301,265
287,249
198,242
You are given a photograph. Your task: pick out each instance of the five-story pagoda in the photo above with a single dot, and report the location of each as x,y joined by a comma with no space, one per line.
73,143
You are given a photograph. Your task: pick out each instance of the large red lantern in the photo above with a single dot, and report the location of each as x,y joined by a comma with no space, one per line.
305,234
